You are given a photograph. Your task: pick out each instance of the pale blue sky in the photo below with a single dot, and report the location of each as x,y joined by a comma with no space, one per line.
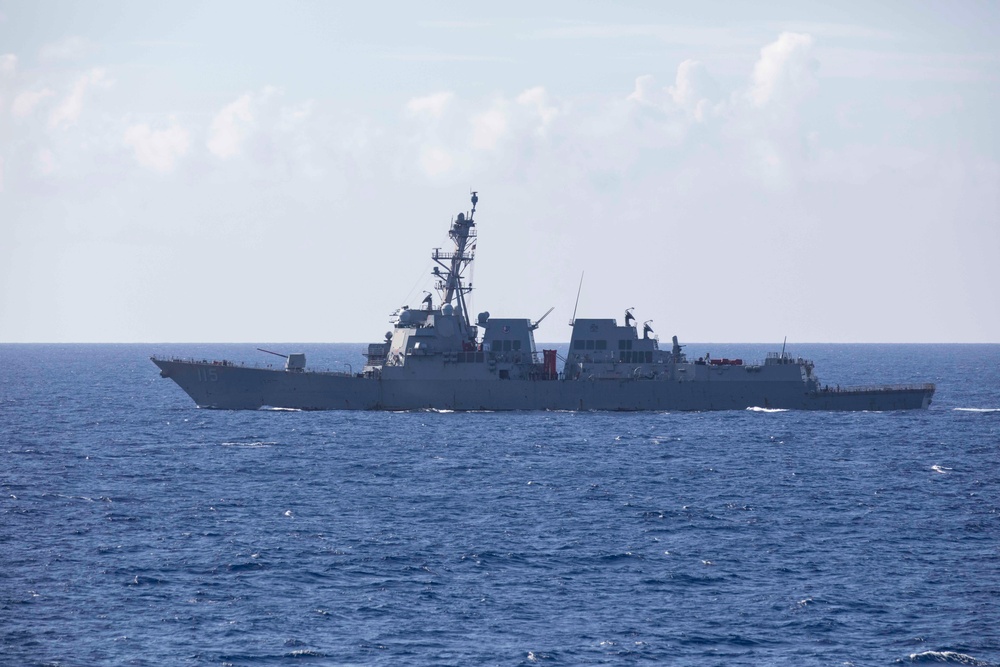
247,171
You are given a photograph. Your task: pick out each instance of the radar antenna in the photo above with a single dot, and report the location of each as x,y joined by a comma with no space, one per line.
451,265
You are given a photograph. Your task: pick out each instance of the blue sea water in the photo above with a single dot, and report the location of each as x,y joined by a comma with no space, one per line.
136,529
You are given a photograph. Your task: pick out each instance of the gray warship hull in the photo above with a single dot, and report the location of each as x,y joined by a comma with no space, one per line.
229,386
436,358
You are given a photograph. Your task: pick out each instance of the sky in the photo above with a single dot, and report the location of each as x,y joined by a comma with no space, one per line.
736,172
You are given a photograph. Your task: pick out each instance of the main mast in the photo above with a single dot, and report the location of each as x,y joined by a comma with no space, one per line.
449,284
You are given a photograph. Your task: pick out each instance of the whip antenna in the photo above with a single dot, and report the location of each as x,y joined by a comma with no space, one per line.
578,290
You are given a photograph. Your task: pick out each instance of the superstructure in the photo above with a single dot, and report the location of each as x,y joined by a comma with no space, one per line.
436,357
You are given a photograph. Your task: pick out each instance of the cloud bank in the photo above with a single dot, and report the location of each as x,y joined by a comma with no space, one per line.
690,184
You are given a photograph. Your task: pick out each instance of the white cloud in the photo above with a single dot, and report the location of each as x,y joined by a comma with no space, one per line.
538,100
529,114
69,109
158,150
441,132
694,89
434,129
25,103
230,128
760,124
488,128
8,64
433,105
1,174
770,121
786,70
646,91
271,134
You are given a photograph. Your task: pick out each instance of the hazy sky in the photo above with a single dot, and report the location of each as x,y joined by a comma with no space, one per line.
247,171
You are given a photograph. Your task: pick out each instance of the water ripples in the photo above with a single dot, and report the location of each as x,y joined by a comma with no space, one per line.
142,532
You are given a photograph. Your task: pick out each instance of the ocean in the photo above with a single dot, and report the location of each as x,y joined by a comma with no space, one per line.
137,529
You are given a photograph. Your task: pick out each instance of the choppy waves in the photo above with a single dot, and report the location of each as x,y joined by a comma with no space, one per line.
947,658
141,530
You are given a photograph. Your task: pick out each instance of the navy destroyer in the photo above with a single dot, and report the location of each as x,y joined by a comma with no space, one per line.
437,357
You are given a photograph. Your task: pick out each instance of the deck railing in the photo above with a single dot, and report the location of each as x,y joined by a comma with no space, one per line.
878,389
242,364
